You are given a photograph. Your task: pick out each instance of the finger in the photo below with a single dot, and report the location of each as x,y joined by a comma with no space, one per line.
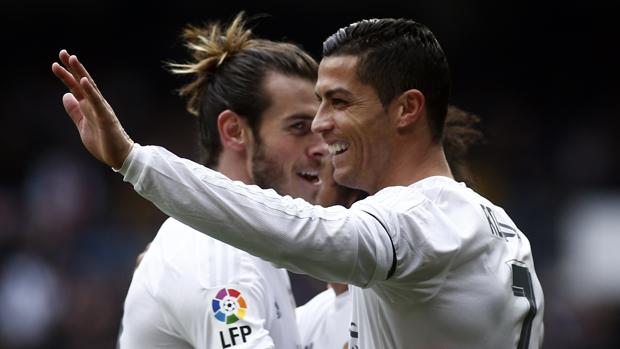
81,71
68,80
64,58
72,107
98,103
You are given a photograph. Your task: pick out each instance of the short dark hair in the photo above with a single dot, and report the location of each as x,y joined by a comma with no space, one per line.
395,55
229,66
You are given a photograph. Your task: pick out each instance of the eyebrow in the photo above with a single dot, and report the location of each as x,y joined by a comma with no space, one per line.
298,116
332,92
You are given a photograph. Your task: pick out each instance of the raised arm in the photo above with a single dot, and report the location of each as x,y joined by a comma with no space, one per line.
99,128
335,244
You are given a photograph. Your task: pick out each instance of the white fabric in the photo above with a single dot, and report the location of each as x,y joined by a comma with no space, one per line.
324,321
456,252
170,302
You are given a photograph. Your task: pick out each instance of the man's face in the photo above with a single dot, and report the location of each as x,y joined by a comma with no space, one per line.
354,123
287,155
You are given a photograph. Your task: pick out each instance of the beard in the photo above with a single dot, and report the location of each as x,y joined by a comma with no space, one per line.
267,173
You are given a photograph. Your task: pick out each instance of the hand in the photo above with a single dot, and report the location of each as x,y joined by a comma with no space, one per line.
99,128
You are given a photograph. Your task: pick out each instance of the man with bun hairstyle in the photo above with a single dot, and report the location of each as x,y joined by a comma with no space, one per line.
254,101
430,262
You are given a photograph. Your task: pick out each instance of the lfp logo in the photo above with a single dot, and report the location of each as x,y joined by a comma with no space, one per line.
228,305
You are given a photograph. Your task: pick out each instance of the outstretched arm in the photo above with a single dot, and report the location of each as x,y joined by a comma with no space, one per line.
99,128
329,244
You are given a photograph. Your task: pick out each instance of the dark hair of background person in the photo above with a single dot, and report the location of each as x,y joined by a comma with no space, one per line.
459,135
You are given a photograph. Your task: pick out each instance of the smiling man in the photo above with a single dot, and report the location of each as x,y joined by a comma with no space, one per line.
254,101
324,321
432,264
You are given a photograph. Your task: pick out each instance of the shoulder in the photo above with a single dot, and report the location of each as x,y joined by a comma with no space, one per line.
172,233
428,201
430,222
395,198
315,307
185,253
435,190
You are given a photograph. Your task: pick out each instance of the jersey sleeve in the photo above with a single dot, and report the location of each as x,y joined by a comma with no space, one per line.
427,244
145,324
176,301
233,317
333,244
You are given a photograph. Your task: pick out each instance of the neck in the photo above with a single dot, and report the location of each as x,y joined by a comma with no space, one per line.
408,167
233,165
338,288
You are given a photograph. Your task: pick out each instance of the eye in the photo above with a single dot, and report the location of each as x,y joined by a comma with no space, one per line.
339,103
300,127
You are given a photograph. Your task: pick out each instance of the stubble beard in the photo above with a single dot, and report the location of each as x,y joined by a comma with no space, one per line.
267,174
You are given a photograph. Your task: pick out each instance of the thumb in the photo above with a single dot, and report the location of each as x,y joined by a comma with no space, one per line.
72,107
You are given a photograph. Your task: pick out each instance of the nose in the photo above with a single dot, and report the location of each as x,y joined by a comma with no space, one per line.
318,148
322,121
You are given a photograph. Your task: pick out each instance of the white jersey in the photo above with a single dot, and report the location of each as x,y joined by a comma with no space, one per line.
435,264
192,291
324,321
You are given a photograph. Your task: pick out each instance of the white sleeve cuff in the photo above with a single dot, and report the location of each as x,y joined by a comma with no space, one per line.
128,159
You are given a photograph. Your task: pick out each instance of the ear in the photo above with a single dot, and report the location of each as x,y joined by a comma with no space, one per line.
233,130
410,107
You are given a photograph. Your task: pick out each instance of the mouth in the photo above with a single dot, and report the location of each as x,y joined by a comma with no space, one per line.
310,176
337,148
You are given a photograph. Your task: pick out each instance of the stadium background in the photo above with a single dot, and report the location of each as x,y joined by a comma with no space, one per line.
542,75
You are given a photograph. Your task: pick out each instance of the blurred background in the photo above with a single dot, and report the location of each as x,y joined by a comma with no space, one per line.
543,77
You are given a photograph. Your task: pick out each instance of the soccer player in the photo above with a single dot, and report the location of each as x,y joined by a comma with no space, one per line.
255,102
323,321
431,263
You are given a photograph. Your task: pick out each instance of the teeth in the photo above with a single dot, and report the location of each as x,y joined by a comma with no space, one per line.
310,173
310,176
337,148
